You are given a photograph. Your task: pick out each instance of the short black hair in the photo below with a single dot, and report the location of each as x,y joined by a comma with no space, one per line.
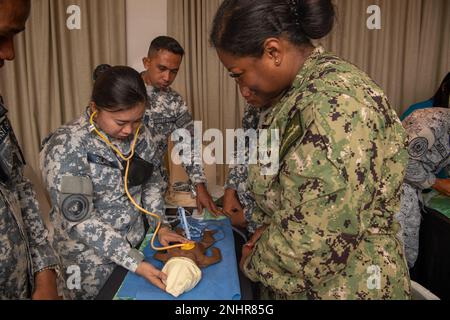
118,88
165,43
241,27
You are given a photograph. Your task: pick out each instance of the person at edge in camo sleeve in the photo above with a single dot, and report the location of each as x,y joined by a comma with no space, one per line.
429,153
27,262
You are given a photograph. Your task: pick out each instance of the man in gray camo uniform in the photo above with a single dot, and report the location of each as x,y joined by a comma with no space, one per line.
168,112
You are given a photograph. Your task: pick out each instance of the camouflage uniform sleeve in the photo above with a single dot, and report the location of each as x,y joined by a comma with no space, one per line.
418,176
325,179
62,158
238,173
42,254
258,217
153,198
194,168
419,173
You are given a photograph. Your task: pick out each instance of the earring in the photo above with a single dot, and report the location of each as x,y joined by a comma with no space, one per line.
277,62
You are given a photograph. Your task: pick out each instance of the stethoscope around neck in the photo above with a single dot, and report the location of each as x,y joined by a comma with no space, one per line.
128,159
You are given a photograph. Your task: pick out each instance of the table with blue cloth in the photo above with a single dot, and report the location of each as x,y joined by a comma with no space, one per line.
219,281
432,269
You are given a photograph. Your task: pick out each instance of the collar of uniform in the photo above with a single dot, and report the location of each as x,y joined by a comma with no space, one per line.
298,81
153,90
84,120
309,64
308,67
150,89
85,124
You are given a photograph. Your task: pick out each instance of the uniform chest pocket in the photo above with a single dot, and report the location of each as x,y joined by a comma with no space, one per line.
140,172
293,133
257,182
106,175
310,171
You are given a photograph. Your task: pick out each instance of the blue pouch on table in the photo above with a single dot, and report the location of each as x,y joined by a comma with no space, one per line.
219,281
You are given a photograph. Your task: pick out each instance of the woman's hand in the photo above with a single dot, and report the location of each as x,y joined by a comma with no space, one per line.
45,283
250,245
442,186
238,220
152,275
166,236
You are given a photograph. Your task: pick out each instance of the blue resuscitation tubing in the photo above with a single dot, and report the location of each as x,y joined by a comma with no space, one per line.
182,215
198,231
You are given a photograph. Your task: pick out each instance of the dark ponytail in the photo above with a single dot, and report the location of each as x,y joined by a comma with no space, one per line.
241,27
118,88
99,70
316,17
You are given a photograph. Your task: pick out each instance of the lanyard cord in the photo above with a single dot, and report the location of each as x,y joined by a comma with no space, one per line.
128,160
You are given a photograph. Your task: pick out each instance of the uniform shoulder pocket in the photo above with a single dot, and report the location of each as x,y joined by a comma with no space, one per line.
76,198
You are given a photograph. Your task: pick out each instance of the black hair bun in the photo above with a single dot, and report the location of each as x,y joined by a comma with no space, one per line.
102,68
316,17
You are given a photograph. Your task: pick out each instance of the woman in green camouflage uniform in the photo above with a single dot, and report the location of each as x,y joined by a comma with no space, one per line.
328,212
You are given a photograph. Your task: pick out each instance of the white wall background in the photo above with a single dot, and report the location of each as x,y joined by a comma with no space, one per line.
146,19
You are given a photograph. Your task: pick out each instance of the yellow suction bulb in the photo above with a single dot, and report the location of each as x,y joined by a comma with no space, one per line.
188,247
